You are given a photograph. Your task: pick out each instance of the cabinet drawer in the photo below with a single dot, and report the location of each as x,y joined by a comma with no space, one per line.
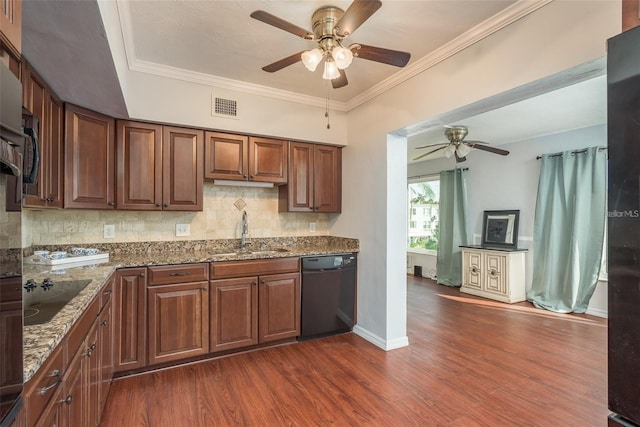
44,385
255,267
107,291
81,327
170,274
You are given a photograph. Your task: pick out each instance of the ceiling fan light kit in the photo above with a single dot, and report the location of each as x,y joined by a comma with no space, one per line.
331,25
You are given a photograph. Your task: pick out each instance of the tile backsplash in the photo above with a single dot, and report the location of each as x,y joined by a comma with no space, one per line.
220,219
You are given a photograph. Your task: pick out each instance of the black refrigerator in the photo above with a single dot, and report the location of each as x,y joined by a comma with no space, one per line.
623,129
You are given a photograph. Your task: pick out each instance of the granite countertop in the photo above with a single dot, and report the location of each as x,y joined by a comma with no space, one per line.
40,340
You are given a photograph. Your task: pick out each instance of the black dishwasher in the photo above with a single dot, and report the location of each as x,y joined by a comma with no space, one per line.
328,295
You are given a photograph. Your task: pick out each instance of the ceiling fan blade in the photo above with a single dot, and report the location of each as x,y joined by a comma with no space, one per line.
273,20
429,152
379,54
475,142
340,81
285,62
432,145
458,158
490,149
358,12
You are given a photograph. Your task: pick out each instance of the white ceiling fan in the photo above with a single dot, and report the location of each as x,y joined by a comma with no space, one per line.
457,146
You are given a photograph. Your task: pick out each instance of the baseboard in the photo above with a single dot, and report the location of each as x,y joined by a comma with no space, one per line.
380,342
598,312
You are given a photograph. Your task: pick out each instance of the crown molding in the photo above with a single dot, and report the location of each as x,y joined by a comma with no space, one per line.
488,27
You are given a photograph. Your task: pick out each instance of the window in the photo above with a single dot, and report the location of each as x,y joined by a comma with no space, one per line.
424,207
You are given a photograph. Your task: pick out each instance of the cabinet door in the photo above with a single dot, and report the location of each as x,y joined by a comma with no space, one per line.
178,321
471,269
139,166
268,160
11,25
89,146
234,307
129,319
297,196
494,273
279,306
74,410
52,415
182,169
105,337
52,171
327,189
37,104
630,14
226,156
92,377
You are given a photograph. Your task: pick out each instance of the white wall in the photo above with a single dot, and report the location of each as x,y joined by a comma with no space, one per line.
558,36
511,182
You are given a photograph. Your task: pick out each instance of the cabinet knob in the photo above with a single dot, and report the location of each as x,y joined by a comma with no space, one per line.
166,205
474,270
254,283
493,273
253,176
111,203
204,288
141,274
157,205
104,323
244,176
68,400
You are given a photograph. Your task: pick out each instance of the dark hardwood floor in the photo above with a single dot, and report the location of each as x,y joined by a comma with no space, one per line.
470,362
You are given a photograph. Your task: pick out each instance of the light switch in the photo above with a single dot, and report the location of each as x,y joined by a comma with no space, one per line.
183,230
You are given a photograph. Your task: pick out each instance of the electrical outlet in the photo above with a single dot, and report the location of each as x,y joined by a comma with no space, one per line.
183,230
312,227
109,231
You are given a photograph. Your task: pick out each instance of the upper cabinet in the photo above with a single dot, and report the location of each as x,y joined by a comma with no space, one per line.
11,26
315,179
89,159
159,167
630,14
242,158
47,191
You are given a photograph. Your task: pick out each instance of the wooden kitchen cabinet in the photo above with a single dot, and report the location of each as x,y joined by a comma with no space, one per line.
47,108
105,346
159,167
242,158
89,162
178,312
129,319
234,320
11,26
279,307
258,308
315,179
630,14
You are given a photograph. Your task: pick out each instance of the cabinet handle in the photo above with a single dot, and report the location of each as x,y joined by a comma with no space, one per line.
58,380
165,205
475,270
111,203
253,176
107,291
157,205
254,283
493,273
104,323
244,176
68,400
262,281
182,273
141,274
204,288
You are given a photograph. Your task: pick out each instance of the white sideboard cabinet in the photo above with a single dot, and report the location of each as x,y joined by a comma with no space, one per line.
495,274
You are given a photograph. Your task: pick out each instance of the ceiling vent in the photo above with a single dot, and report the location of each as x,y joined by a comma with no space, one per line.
221,107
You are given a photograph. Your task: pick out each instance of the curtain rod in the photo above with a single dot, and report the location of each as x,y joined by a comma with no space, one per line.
573,152
433,174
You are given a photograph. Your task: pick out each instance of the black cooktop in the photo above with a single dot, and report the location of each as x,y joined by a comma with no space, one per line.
41,305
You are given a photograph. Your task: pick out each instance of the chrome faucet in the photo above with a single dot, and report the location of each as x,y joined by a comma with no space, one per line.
245,230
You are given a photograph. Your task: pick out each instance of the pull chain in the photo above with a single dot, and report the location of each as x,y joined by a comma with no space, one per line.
326,111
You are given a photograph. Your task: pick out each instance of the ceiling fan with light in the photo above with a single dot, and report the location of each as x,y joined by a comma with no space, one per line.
457,146
331,25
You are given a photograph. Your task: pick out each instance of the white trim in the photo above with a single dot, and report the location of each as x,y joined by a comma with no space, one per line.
486,28
380,342
429,252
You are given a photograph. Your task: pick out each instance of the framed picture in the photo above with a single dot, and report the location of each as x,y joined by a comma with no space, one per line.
500,229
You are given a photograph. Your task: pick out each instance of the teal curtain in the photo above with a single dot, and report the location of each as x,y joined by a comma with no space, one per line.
568,229
453,230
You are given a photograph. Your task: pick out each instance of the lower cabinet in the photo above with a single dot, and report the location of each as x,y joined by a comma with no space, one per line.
499,275
129,319
254,309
